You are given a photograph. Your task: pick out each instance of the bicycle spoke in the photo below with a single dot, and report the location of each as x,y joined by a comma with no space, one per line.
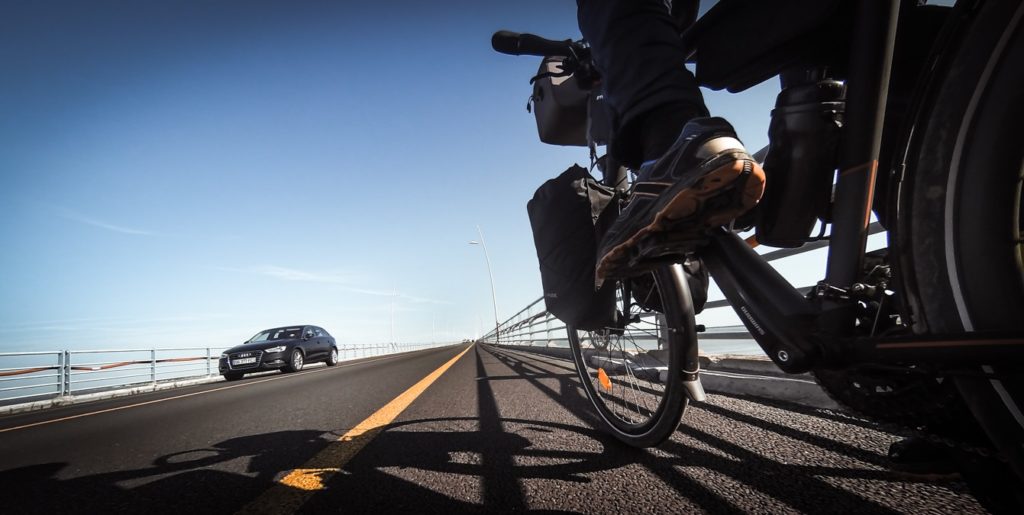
624,366
634,391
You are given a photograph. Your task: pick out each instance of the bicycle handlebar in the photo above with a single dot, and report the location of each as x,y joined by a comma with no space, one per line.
514,43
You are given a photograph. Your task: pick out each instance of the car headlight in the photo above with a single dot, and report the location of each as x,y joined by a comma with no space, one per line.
224,356
279,348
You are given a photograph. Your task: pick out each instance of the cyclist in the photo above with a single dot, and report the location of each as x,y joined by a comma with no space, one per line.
693,171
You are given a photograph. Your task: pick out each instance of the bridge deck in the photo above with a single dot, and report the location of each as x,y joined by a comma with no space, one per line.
498,431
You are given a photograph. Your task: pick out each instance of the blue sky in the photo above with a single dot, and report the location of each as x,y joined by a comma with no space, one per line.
191,172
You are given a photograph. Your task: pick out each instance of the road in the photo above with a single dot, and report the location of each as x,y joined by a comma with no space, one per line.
498,431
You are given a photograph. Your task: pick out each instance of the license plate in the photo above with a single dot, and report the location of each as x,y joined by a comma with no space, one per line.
243,361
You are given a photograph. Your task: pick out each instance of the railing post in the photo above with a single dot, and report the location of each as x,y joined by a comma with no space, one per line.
209,372
60,374
67,373
152,365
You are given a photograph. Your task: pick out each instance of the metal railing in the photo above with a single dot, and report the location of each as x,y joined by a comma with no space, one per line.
41,375
533,325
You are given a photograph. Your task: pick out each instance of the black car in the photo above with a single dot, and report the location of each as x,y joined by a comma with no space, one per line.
286,348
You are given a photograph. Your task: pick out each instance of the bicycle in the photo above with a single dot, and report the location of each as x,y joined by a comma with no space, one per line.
927,332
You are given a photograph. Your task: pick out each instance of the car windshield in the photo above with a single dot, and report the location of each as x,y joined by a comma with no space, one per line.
281,333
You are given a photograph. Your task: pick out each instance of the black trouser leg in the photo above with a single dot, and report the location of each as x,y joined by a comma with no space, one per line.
636,47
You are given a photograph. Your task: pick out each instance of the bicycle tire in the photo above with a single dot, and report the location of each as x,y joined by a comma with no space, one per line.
637,391
961,218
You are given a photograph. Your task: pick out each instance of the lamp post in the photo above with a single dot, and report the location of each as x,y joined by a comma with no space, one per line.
494,298
394,294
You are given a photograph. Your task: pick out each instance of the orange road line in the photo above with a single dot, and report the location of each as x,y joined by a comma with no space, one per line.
298,485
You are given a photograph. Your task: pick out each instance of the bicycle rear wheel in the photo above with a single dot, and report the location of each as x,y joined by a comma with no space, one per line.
633,373
961,224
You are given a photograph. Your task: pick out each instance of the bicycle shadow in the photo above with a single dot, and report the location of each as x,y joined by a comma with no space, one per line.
729,459
192,480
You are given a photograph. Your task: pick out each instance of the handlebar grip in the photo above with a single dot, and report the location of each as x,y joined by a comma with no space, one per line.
514,43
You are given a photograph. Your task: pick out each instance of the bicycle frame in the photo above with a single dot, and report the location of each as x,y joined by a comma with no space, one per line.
800,333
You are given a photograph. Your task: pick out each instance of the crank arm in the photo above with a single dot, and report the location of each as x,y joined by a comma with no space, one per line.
780,319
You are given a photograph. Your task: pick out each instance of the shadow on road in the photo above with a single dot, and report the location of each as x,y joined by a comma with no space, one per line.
192,480
486,463
800,487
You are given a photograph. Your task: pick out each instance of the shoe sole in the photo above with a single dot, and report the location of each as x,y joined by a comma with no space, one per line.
691,202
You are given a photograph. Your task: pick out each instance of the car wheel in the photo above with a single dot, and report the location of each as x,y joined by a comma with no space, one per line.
233,376
332,358
295,364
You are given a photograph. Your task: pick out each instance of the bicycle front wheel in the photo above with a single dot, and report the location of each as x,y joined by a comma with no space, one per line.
633,373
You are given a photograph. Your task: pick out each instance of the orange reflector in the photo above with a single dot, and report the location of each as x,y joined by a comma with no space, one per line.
603,379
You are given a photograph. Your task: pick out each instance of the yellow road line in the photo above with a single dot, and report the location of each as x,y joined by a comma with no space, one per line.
296,487
182,396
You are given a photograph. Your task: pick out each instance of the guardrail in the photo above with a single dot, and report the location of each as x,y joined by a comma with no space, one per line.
39,375
533,325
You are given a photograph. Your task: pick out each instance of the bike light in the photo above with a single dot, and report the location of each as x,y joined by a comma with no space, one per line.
279,348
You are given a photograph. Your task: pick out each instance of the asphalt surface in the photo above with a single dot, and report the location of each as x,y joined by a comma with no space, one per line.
500,431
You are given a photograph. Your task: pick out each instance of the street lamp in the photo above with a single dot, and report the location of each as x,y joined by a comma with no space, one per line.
494,298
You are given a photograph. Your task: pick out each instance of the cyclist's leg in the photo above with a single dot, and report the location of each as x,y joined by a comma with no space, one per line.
696,173
636,47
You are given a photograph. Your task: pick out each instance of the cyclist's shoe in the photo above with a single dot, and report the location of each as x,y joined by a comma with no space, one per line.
705,180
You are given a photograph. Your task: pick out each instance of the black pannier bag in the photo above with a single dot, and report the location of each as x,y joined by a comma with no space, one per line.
565,214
